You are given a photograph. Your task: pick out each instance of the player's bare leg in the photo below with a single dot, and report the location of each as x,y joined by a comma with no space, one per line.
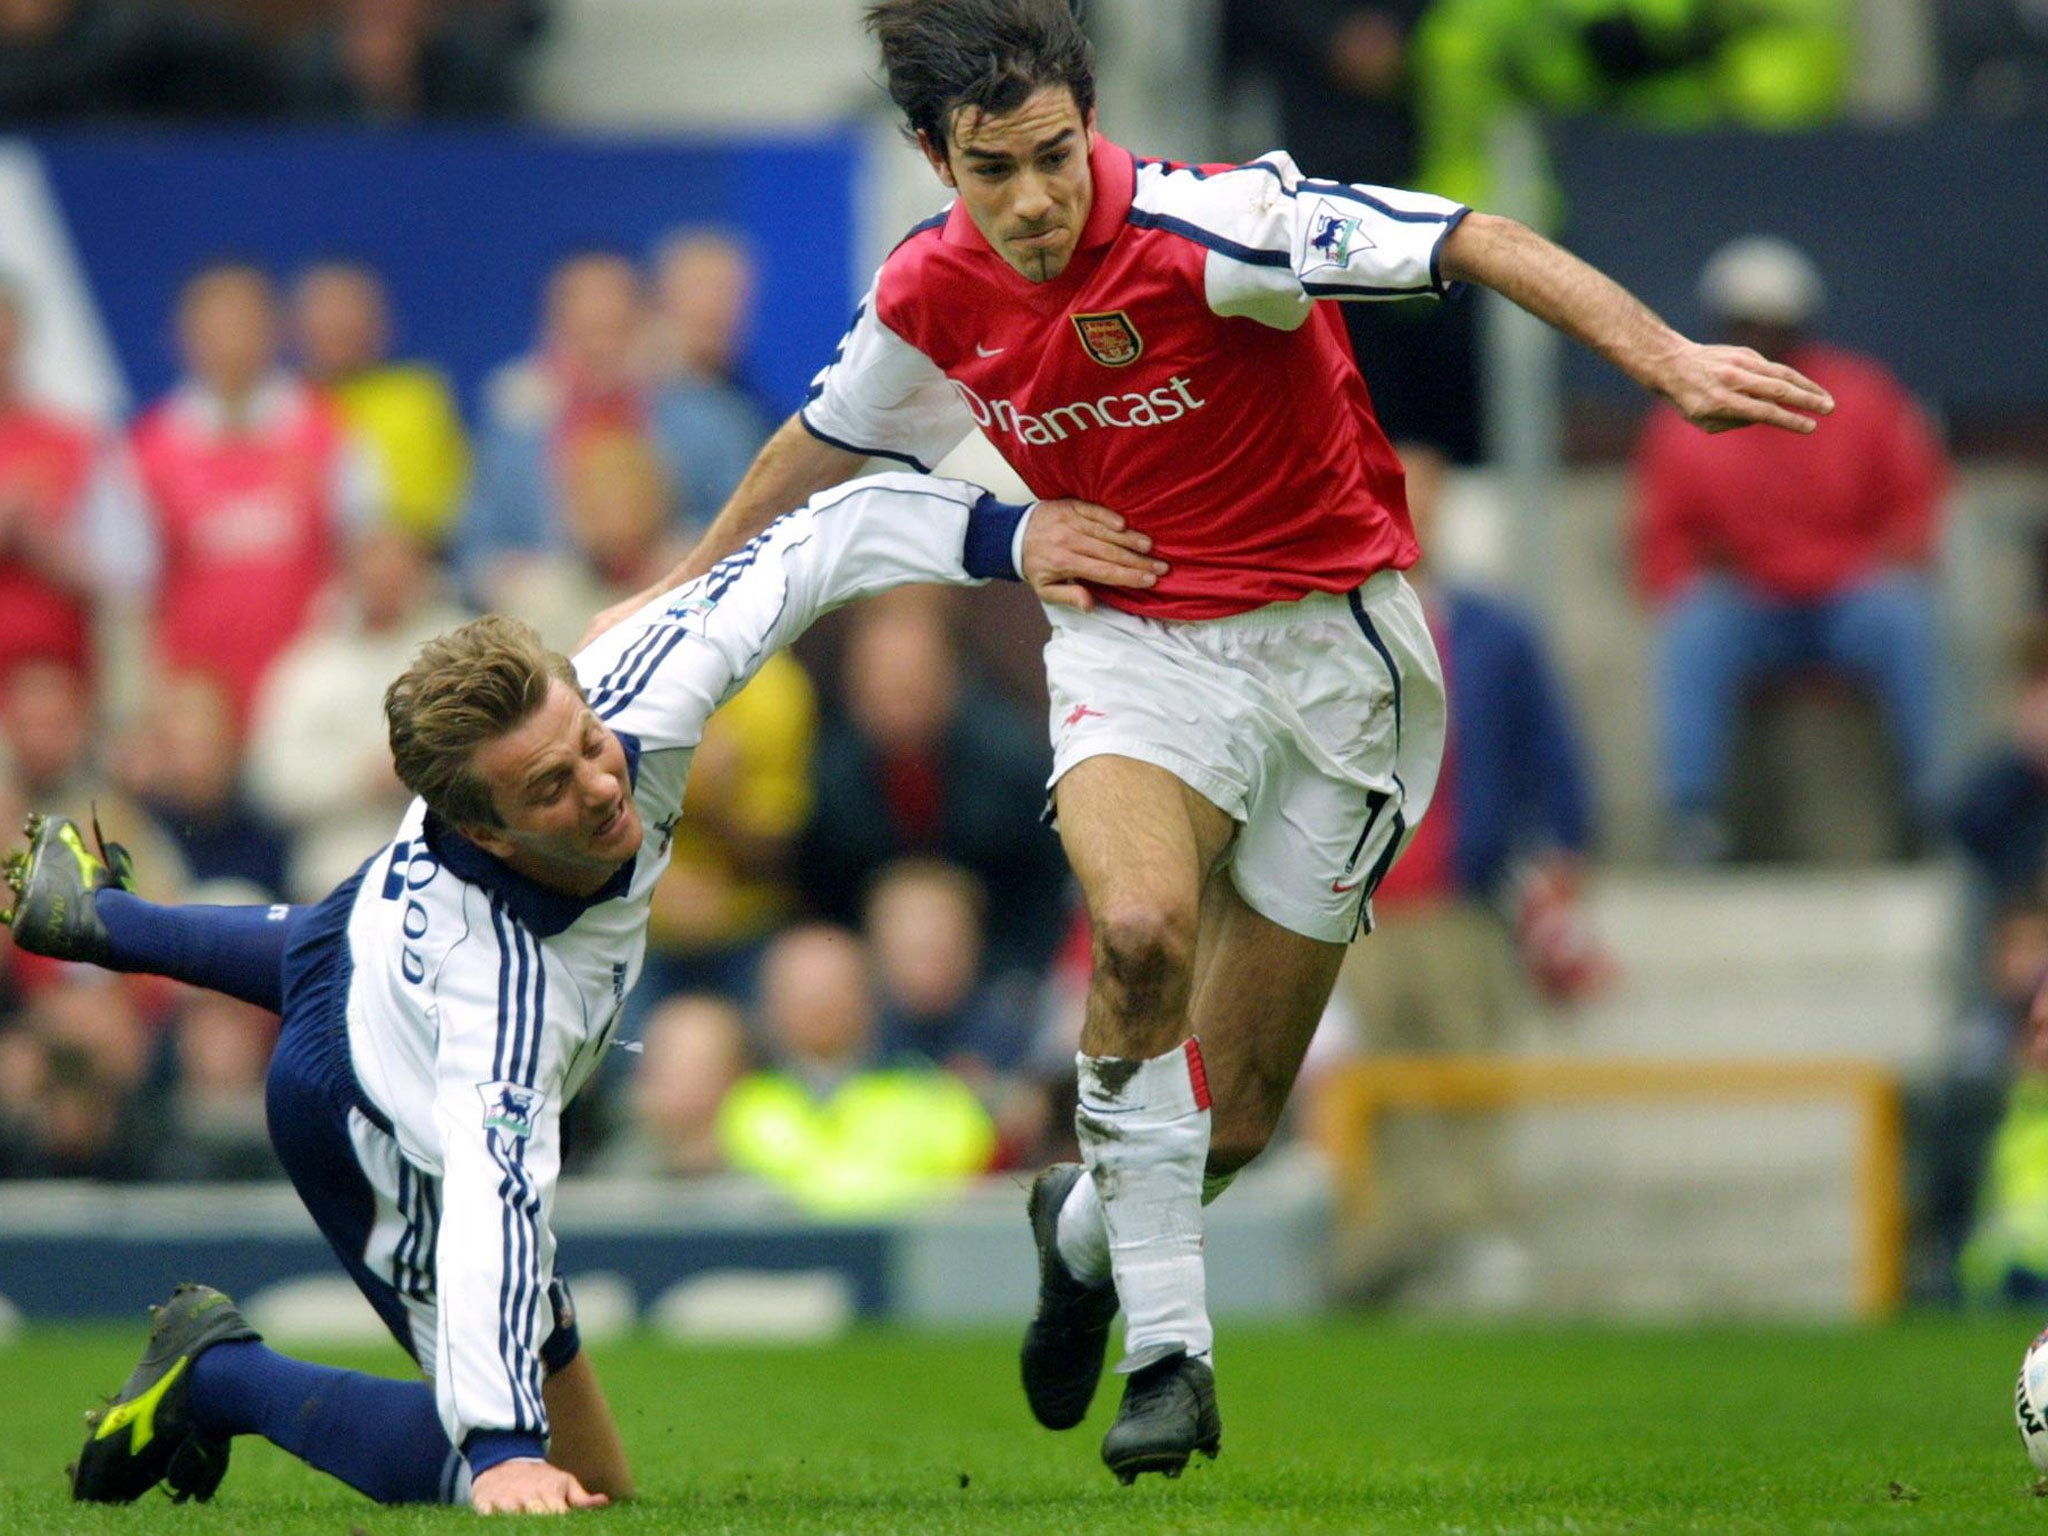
1260,991
1142,845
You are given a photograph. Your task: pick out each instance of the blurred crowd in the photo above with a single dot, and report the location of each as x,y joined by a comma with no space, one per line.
334,61
866,963
199,614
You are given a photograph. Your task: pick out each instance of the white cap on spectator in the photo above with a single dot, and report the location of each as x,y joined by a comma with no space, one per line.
1762,279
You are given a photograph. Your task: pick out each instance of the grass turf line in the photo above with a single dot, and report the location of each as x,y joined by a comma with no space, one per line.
1337,1427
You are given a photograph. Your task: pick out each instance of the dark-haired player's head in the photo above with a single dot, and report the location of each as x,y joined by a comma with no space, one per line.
1000,96
984,56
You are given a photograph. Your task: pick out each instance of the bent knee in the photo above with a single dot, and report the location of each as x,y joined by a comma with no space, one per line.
1145,952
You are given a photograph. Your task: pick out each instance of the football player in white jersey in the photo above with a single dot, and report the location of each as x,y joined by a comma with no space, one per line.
1241,751
443,1005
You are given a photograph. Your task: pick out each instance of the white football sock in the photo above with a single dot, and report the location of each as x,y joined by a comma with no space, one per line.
1144,1130
1083,1238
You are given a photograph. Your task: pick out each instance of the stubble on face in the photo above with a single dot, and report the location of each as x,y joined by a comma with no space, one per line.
1024,179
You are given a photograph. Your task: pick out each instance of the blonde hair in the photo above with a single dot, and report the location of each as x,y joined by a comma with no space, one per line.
464,689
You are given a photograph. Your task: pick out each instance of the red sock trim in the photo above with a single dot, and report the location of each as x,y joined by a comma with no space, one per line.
1198,1075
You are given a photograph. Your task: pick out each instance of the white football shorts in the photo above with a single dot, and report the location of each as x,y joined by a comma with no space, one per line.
1317,726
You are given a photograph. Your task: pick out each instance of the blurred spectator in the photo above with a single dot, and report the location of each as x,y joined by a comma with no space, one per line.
46,474
2006,1258
248,486
1994,56
319,761
693,1050
2001,812
829,1124
403,414
48,727
703,303
1343,80
591,373
712,420
924,928
74,1082
2000,824
1768,553
1955,1116
583,378
918,760
1678,64
68,61
1484,902
214,1118
617,504
401,61
184,763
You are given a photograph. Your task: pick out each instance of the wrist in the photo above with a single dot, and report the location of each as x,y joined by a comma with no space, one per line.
484,1449
994,544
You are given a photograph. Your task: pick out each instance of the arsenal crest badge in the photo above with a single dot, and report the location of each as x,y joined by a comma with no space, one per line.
1111,339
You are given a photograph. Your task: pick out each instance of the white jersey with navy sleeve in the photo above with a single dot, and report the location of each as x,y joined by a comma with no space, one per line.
1179,370
479,1002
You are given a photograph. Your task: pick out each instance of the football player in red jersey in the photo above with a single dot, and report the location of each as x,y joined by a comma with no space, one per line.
1242,747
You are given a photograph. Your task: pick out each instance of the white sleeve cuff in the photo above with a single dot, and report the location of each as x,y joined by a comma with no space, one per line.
1017,542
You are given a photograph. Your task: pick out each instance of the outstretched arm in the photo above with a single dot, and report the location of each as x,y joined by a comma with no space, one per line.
853,541
1714,387
792,466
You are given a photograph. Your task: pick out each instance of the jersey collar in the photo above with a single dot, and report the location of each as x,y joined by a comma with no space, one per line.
270,404
1115,174
542,912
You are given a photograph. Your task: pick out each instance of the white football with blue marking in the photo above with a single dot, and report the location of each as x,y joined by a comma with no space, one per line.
2030,1401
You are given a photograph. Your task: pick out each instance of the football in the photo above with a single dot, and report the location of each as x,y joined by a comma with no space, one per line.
2030,1401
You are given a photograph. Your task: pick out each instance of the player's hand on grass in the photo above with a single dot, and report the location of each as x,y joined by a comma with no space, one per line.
526,1487
1070,543
1718,387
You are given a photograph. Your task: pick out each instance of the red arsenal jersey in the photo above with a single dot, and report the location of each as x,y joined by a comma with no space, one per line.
1179,371
245,524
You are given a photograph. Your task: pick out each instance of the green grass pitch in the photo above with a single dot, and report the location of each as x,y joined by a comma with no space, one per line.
1333,1427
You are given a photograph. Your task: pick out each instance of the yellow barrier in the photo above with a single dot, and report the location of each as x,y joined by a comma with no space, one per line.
1349,1101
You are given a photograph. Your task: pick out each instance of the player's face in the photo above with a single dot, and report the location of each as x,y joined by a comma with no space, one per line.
1023,178
559,782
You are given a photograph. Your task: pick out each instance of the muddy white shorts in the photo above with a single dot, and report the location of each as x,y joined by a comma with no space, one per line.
1317,726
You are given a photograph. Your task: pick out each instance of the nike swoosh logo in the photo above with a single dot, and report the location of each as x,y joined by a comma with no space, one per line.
981,351
1340,888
